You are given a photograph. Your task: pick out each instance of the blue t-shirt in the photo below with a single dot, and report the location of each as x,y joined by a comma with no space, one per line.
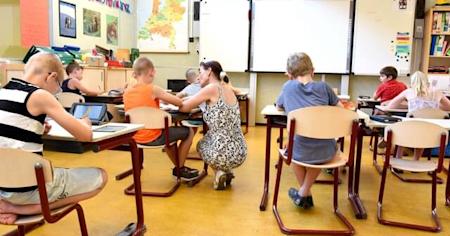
295,95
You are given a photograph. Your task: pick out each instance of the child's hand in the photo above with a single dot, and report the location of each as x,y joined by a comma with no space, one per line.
86,121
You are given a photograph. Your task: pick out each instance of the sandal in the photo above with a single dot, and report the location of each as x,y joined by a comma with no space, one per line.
130,229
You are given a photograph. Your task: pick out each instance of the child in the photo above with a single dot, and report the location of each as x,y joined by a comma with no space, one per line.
419,96
298,92
389,87
144,93
73,83
193,84
223,147
24,105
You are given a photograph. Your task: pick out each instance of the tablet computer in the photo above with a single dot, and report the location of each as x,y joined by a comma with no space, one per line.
109,128
95,111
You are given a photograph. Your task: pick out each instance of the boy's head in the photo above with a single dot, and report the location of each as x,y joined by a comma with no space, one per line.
388,73
143,69
191,75
299,64
46,71
74,70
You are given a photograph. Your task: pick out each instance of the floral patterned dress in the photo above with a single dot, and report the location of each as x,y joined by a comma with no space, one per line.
223,147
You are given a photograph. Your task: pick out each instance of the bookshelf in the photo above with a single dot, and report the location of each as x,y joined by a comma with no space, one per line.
436,50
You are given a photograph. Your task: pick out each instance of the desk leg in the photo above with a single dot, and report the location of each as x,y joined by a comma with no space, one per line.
262,206
353,194
140,227
447,189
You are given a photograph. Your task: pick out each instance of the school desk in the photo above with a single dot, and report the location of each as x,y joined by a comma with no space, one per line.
109,140
104,98
393,111
274,116
368,103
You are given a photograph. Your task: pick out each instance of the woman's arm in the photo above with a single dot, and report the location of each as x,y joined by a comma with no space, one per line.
158,92
204,95
74,83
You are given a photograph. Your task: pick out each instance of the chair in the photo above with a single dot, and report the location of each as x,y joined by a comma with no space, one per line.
426,113
426,135
67,99
320,122
22,169
153,118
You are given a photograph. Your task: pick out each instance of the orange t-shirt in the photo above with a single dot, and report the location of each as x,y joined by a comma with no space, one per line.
140,95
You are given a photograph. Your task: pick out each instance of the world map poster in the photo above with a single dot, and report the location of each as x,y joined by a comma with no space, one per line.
162,25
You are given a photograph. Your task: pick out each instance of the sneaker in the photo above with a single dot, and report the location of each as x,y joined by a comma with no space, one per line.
220,180
398,171
303,202
185,174
191,169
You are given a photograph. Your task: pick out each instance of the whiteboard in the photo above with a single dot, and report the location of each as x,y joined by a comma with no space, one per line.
320,28
383,36
224,33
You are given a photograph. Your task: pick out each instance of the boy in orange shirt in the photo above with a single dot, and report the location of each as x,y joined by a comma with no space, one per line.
145,93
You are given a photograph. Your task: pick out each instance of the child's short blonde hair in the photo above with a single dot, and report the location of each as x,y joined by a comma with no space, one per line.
420,84
299,64
142,65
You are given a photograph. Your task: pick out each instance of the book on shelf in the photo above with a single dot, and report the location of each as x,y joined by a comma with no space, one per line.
437,69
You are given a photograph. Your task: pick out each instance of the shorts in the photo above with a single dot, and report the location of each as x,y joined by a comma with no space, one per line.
66,183
175,134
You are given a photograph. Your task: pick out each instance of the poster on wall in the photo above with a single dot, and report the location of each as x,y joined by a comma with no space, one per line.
67,20
162,25
112,29
91,23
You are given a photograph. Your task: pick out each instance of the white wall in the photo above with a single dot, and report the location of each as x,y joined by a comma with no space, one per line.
127,25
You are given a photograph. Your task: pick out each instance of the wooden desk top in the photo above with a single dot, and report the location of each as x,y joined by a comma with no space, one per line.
59,133
368,100
164,107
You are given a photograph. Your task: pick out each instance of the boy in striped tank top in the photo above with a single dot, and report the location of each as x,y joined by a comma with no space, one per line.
24,105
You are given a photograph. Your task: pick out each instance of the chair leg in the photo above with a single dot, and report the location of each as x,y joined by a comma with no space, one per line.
81,220
130,171
22,229
349,231
436,228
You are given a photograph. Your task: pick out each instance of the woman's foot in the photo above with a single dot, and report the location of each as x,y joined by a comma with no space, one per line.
220,180
230,176
6,217
305,202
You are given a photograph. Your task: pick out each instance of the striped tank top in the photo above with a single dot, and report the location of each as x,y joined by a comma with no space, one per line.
18,128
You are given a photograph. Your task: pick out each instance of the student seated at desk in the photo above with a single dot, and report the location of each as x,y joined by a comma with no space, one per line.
193,84
24,105
298,92
223,147
421,95
389,87
145,94
73,83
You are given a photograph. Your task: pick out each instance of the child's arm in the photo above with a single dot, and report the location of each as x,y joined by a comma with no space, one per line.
78,85
444,103
204,95
159,93
42,102
397,101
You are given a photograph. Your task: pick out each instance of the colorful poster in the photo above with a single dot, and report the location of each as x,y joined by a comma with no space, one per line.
91,23
162,25
403,46
112,30
67,20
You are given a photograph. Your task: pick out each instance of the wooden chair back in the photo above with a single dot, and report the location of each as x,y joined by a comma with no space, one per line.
17,168
67,99
152,118
323,122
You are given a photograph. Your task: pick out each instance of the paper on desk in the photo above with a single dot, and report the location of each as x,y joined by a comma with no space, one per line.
168,107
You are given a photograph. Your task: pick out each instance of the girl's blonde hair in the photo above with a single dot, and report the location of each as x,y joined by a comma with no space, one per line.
299,64
420,84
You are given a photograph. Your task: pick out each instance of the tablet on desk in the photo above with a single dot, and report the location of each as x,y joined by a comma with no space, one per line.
109,128
95,111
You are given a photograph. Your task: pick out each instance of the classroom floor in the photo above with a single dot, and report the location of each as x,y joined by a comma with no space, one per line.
202,211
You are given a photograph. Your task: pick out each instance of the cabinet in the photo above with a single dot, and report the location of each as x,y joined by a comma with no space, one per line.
94,78
115,78
436,53
11,71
